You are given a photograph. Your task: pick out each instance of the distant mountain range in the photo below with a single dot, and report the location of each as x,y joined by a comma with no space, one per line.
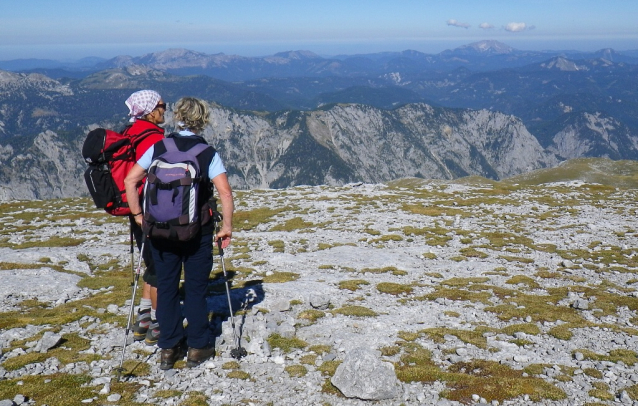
478,56
474,105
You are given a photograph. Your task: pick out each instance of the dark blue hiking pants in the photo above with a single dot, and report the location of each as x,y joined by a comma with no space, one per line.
197,258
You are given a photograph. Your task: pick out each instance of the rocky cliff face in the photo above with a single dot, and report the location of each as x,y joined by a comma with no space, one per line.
51,167
348,143
341,144
594,135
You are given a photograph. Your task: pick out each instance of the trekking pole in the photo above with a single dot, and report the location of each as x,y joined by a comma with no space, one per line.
130,313
132,259
238,352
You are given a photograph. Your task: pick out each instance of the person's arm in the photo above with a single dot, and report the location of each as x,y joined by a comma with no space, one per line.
131,183
228,207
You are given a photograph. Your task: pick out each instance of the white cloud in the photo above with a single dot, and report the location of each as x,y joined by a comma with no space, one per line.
455,23
486,26
516,27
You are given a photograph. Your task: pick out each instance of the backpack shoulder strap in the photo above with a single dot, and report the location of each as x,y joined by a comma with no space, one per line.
138,138
125,129
198,149
170,144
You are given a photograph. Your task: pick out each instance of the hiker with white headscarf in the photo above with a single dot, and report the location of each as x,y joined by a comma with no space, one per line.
144,102
146,109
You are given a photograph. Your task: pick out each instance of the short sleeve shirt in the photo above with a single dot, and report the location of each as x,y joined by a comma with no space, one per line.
215,168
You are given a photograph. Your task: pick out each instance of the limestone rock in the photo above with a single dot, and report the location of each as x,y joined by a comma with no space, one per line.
362,375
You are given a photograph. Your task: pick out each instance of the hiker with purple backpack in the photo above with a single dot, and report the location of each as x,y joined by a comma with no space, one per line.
177,223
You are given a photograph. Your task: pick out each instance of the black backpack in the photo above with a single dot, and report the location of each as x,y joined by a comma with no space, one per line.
110,156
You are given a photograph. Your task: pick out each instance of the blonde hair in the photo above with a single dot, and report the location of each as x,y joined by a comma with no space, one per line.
192,114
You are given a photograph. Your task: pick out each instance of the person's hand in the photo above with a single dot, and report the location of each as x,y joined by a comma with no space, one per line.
138,219
223,236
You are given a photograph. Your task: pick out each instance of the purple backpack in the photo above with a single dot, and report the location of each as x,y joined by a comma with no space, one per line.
171,209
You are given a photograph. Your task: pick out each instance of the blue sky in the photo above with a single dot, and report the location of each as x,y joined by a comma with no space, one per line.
66,29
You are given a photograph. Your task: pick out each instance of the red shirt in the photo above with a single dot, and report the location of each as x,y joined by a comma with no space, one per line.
138,127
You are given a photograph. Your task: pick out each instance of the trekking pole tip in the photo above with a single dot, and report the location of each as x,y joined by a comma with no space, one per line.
238,353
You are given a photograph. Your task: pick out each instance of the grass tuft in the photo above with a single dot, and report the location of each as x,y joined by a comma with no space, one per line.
355,311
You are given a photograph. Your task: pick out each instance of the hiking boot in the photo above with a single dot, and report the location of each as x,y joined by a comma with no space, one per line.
153,333
198,355
168,357
142,323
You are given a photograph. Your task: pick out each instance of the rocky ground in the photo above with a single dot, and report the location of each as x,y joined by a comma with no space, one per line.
409,293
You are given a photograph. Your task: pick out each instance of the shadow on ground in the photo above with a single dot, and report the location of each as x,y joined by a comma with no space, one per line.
241,299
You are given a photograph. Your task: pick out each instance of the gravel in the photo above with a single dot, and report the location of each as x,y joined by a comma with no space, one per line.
340,246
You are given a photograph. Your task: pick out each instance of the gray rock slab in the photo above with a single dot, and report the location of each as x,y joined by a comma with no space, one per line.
362,375
48,341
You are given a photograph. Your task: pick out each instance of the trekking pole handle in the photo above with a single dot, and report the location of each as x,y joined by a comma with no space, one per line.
219,247
217,217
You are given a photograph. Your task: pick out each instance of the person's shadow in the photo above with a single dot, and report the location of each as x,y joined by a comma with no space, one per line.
242,299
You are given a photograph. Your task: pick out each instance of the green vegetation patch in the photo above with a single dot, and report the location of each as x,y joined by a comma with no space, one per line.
475,337
629,357
434,211
248,220
296,371
488,379
524,280
464,282
285,344
561,332
457,294
237,374
539,307
494,381
472,252
36,313
434,236
388,269
280,277
386,238
355,311
8,266
63,389
408,335
390,350
510,258
231,365
394,288
278,245
320,349
195,398
53,241
352,284
329,367
632,391
601,391
311,314
295,224
527,328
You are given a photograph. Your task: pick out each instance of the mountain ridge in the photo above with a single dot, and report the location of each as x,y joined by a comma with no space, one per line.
170,58
337,126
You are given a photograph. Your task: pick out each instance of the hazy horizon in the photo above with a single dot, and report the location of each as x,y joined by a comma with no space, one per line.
70,53
70,29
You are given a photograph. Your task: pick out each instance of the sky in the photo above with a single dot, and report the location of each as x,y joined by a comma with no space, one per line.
69,29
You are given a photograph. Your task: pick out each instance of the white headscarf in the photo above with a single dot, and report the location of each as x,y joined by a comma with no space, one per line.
141,103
